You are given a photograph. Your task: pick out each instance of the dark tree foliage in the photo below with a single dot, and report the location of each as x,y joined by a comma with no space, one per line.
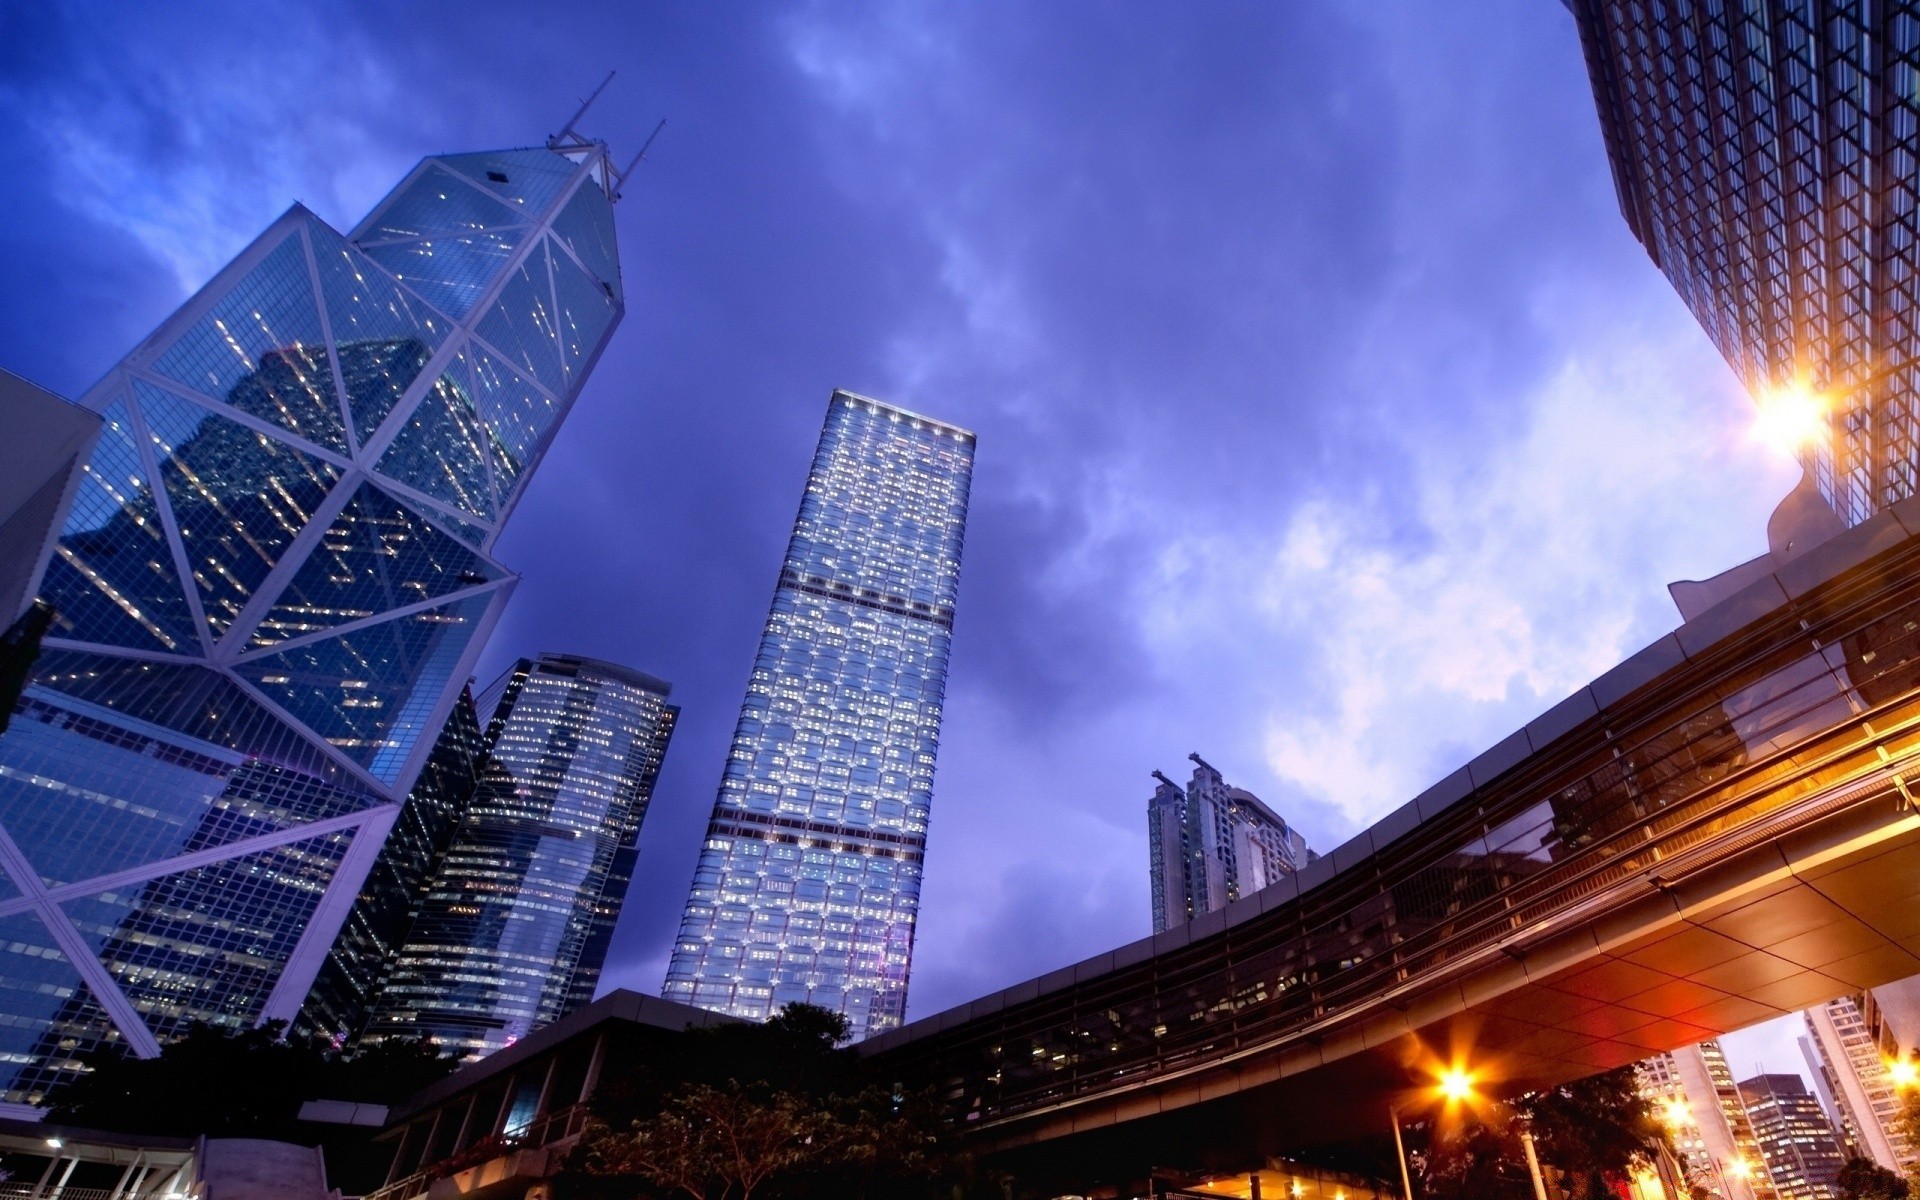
1481,1161
1596,1129
250,1084
1864,1179
756,1112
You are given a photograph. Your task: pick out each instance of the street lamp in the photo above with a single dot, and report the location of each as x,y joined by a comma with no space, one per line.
1904,1072
1455,1086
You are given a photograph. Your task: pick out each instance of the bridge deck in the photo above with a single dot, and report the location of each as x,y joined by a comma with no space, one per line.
1716,832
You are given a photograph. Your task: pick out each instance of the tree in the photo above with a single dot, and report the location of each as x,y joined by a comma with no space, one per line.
1478,1161
734,1112
1596,1130
1864,1179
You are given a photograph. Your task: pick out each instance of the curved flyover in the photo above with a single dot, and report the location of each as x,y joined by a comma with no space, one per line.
1717,831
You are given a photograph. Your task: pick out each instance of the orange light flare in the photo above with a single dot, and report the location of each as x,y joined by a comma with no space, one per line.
1904,1072
1739,1168
1791,418
1674,1112
1456,1085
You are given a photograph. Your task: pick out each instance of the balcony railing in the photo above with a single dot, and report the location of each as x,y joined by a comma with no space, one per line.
553,1129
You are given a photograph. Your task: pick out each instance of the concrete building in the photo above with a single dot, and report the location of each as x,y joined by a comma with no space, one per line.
1211,843
1693,1092
1841,1046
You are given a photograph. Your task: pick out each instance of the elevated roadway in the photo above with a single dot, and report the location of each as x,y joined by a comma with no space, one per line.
1718,831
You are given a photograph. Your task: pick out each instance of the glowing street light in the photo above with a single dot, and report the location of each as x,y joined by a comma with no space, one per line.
1456,1086
1674,1112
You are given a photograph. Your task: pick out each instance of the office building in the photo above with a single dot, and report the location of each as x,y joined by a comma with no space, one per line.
1851,1066
809,880
273,577
1764,156
1797,1143
515,923
396,887
1211,843
1693,1094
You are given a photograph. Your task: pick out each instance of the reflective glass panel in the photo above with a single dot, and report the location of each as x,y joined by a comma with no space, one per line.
197,701
529,180
517,414
586,310
260,349
382,336
36,984
440,201
112,576
208,944
586,226
238,496
520,324
370,691
377,556
450,272
441,450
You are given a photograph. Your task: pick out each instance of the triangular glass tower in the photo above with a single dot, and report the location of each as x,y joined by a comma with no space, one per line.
275,577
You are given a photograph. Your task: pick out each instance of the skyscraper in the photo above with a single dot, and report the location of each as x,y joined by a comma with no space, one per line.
1212,843
1764,154
809,881
271,582
516,921
1693,1094
1852,1067
1797,1142
396,888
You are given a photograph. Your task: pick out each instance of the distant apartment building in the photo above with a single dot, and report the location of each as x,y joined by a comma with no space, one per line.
1842,1048
1212,843
1797,1142
1693,1094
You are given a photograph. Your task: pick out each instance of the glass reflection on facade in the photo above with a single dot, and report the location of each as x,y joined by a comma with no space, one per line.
515,923
1797,1143
1211,843
809,881
273,578
1764,154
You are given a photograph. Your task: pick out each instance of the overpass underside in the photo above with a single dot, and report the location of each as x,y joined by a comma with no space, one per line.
1717,832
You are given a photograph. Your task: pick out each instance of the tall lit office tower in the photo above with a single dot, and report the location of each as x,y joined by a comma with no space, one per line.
1854,1070
1212,843
516,922
1764,155
271,584
809,881
1693,1094
1796,1140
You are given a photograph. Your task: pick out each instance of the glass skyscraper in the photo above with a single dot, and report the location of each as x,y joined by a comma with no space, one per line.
516,922
1767,155
808,883
273,579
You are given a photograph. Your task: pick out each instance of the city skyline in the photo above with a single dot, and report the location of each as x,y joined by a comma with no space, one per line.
1071,669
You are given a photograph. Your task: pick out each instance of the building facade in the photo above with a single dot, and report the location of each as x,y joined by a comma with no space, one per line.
808,883
1211,843
1853,1068
1764,154
514,926
1797,1142
396,888
270,584
1693,1093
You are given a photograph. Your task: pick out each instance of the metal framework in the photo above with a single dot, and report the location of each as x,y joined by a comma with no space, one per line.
313,457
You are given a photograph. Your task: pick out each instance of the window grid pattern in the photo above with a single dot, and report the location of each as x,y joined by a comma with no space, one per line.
515,924
236,478
808,885
1765,154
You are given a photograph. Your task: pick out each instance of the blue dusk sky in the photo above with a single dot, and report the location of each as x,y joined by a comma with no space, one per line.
1331,423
